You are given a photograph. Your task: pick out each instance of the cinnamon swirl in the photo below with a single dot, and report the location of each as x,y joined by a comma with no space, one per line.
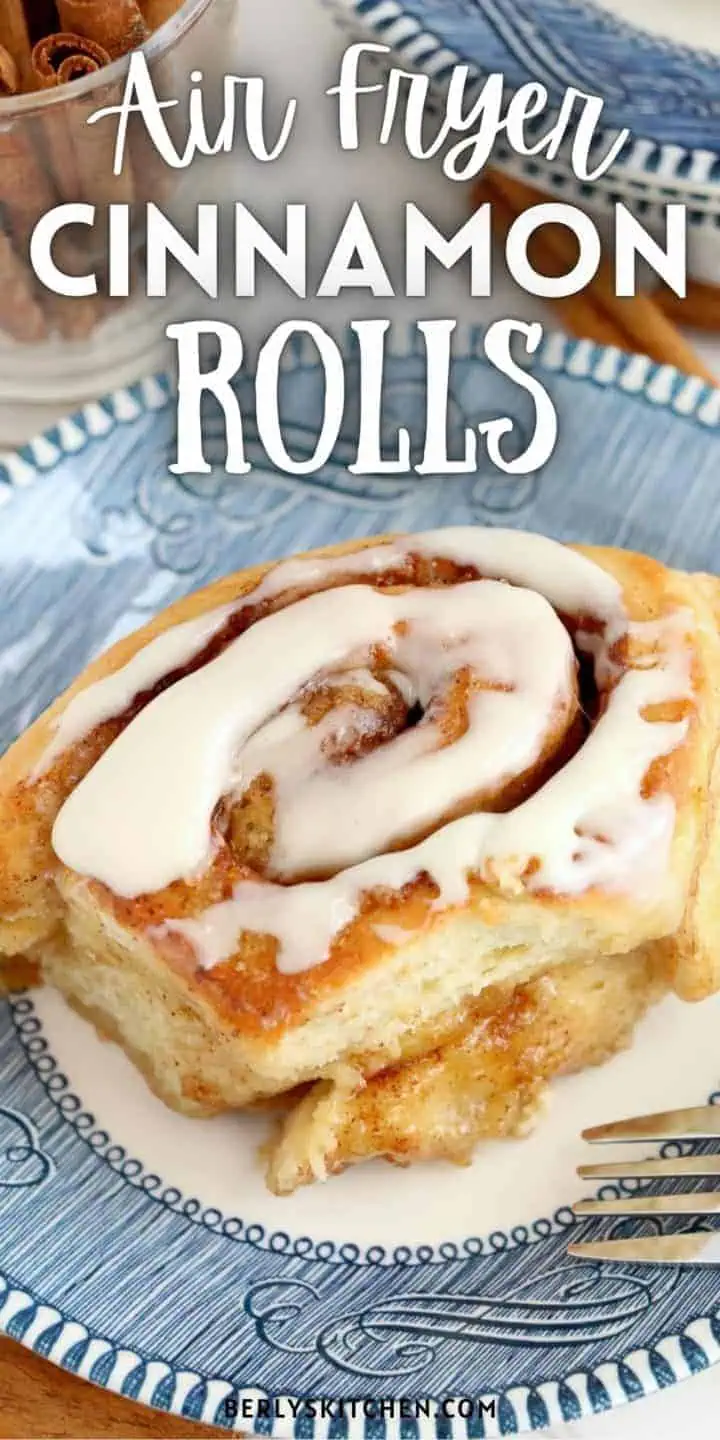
314,819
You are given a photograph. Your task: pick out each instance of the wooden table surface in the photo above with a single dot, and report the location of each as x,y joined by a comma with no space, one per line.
40,1402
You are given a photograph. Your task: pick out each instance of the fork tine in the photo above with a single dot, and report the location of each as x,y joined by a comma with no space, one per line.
701,1248
700,1122
652,1169
698,1202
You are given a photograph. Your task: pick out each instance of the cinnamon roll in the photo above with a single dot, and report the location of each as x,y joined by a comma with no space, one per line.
489,1080
312,821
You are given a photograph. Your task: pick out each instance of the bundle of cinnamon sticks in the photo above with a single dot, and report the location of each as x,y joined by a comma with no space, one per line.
46,160
646,323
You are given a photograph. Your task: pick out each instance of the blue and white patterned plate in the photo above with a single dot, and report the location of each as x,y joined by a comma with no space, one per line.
140,1249
664,91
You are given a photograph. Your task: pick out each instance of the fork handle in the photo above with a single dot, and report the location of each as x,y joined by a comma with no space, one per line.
700,1122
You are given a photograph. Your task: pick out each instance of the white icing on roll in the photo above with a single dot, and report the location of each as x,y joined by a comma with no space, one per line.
111,696
571,583
163,776
406,785
589,826
208,734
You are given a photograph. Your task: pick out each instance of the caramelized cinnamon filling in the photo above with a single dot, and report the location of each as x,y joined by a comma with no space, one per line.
347,753
246,823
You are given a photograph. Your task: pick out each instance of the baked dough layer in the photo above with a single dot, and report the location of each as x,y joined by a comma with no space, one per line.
489,1081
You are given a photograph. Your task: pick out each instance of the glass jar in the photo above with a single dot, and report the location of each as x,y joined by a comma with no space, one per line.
55,348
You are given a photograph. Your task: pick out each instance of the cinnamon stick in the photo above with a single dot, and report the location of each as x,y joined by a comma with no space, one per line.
580,314
94,147
48,57
80,165
21,316
57,156
25,190
637,319
700,310
72,54
81,155
117,25
156,12
9,74
15,38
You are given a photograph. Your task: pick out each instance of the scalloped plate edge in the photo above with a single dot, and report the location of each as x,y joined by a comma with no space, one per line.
523,1409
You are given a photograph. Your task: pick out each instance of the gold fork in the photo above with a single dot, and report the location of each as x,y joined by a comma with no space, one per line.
700,1247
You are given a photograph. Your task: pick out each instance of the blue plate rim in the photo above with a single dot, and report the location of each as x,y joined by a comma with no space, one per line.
649,164
55,1334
